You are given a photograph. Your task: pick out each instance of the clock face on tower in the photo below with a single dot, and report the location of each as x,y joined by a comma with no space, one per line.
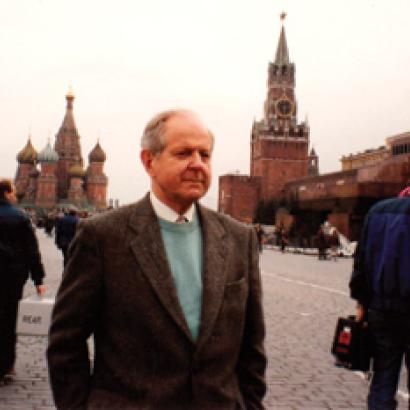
284,108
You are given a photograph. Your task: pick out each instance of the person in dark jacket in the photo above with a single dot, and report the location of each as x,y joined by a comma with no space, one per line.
19,256
321,242
65,231
380,283
169,289
260,234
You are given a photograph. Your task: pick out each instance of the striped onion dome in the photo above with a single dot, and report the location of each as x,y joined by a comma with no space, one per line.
47,154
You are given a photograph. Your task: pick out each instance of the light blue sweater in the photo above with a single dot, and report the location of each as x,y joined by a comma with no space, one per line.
183,245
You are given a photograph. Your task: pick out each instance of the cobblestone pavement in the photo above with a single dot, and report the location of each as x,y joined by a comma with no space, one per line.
303,298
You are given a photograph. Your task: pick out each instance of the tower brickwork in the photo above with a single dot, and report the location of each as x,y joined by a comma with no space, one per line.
96,179
46,195
279,143
238,196
76,193
313,167
68,148
30,192
26,159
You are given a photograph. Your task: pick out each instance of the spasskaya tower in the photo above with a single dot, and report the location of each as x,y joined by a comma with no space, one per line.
279,144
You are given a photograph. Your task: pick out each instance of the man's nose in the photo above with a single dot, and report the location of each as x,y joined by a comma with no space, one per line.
196,160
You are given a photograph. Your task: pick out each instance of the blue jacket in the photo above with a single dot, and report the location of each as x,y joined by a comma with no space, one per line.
381,271
65,230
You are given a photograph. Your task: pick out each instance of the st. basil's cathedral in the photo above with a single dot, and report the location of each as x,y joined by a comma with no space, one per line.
55,177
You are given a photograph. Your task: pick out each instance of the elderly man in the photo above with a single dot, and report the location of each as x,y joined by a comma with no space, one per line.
170,290
19,257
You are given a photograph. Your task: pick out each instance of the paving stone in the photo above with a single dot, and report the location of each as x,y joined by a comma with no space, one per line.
302,298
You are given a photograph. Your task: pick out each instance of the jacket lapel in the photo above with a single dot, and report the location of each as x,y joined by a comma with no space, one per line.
148,248
217,250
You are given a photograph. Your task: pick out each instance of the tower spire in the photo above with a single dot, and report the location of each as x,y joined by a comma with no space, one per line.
70,97
282,54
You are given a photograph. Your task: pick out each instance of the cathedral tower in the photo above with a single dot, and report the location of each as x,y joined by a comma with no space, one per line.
46,195
96,179
26,170
76,194
68,148
279,144
313,167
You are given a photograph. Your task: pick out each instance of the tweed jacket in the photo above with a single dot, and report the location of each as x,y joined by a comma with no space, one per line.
118,286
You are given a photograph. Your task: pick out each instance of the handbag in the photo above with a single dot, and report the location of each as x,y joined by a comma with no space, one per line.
352,344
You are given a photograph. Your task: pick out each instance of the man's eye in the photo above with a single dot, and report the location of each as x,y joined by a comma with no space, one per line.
183,153
205,155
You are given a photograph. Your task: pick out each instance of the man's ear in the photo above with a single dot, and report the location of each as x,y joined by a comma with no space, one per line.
146,159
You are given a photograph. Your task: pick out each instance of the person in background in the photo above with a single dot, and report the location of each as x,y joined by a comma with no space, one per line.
260,234
170,289
321,242
281,237
334,243
19,258
49,223
65,230
380,283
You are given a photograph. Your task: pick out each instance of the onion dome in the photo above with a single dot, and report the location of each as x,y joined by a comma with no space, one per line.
97,154
76,171
47,154
28,154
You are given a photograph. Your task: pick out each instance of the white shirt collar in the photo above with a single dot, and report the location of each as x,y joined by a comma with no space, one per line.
165,212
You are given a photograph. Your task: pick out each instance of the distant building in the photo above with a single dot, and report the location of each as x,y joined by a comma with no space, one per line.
279,145
285,178
55,177
366,158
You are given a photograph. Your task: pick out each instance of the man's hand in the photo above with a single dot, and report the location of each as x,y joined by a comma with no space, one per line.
360,312
41,289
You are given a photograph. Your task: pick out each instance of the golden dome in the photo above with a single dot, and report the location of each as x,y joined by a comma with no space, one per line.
28,155
76,171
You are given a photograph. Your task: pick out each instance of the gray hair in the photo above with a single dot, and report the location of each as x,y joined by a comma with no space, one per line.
153,136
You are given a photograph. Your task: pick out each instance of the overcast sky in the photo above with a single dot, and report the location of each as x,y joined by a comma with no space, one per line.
128,59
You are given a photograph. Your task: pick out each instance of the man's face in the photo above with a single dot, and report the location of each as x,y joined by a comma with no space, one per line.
181,173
